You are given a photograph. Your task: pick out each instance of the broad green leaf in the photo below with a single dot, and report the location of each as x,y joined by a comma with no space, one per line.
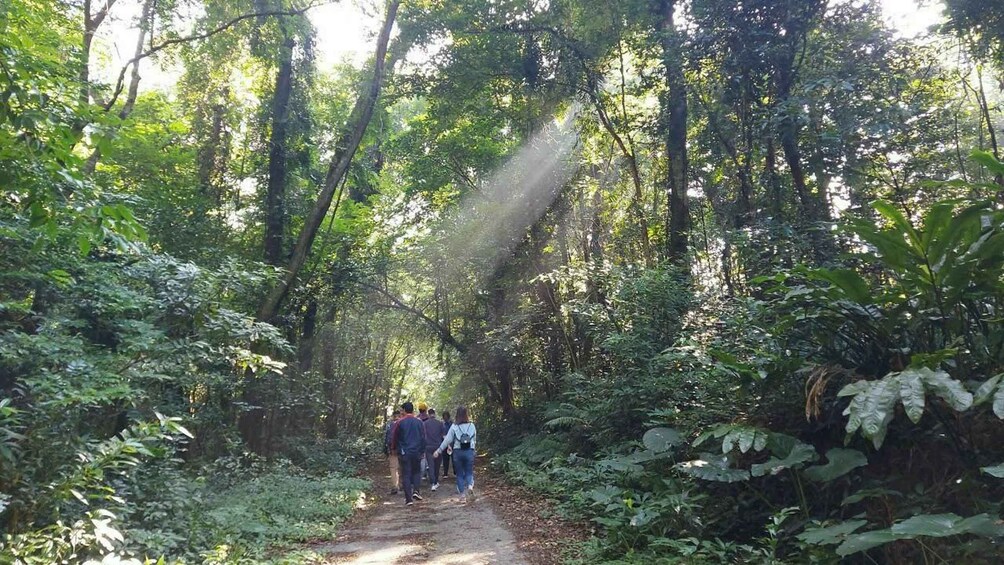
984,392
949,389
856,543
981,525
936,221
661,439
911,392
830,534
940,251
865,494
894,249
746,438
998,405
742,437
873,404
630,462
839,462
605,494
995,471
988,160
944,525
894,215
703,437
855,388
800,453
84,244
935,525
872,409
713,468
848,281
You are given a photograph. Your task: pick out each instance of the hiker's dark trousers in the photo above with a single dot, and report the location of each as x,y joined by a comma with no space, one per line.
411,473
432,466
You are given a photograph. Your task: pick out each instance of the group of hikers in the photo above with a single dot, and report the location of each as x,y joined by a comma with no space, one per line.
416,446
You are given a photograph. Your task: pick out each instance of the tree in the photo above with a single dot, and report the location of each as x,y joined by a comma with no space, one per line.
337,169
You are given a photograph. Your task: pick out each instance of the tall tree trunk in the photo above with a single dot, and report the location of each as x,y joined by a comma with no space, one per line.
744,215
346,149
85,57
773,182
797,28
675,120
308,336
626,146
212,151
145,25
91,24
275,195
981,98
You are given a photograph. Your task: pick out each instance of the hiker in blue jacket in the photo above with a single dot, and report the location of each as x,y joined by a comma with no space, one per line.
409,443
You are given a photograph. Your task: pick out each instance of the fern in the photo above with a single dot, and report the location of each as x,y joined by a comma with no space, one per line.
564,422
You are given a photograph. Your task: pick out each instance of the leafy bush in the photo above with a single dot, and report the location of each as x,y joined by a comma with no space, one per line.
282,506
910,331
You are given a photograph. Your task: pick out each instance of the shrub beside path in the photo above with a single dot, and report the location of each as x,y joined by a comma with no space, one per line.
440,531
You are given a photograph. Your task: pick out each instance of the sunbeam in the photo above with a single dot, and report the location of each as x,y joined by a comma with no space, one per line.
493,220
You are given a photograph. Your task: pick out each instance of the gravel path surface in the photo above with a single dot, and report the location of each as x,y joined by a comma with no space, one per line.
436,531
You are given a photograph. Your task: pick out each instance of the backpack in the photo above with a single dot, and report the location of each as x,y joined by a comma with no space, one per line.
465,439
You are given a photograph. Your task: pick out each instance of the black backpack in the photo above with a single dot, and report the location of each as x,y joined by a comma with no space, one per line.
465,439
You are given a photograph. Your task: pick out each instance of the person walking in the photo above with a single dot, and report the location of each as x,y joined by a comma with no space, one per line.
447,423
393,461
408,440
433,435
423,415
462,437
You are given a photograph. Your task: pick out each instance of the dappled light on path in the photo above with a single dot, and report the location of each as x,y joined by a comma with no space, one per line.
436,531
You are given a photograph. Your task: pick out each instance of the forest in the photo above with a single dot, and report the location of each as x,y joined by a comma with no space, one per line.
723,281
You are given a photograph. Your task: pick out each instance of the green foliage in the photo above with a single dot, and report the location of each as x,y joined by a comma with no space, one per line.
282,507
873,403
736,436
661,439
145,412
921,525
710,467
839,462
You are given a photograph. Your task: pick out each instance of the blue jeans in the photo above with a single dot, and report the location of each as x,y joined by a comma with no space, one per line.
463,468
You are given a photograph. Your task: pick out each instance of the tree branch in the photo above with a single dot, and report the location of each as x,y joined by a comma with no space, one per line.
441,331
120,83
95,21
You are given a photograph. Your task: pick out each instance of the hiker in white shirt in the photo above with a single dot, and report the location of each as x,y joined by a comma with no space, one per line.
462,437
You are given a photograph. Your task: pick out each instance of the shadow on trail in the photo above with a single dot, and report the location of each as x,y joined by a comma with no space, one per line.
437,530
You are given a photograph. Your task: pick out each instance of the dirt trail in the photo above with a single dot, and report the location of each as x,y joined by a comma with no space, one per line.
436,531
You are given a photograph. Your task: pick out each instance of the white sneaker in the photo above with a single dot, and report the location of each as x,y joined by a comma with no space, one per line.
435,486
471,497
